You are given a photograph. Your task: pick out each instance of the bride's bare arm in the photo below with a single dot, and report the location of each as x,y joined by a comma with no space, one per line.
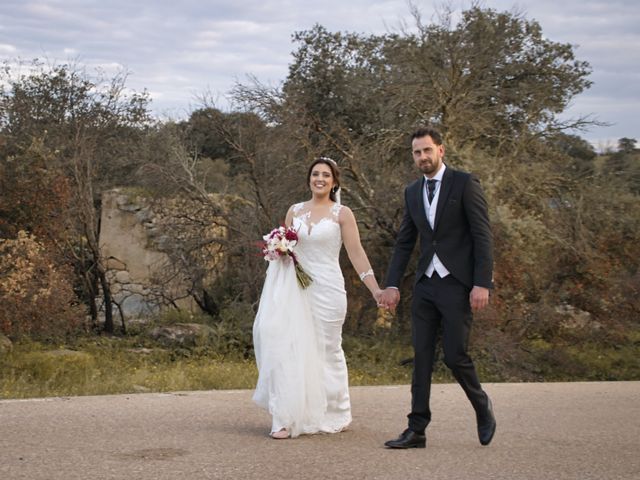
357,255
289,218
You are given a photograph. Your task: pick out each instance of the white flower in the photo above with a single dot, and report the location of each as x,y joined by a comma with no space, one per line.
284,245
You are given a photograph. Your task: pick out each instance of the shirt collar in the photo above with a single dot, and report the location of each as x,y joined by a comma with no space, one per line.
438,176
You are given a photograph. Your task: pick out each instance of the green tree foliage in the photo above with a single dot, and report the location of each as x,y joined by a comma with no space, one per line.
492,83
566,221
489,79
627,145
623,166
580,151
495,85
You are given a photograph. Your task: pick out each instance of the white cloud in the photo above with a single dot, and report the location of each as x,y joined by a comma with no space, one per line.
177,49
6,49
42,10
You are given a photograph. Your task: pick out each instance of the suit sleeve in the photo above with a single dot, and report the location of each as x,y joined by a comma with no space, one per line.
477,213
405,242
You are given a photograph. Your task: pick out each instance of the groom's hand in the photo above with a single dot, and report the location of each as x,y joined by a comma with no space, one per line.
479,297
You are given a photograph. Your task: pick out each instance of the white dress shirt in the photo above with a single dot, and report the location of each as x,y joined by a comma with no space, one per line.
430,208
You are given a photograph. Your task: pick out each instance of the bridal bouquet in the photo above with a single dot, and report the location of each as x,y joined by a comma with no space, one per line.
279,243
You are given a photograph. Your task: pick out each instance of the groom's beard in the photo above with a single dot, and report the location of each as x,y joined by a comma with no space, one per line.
430,166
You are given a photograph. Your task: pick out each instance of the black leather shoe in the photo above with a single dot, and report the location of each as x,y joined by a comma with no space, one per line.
486,426
408,439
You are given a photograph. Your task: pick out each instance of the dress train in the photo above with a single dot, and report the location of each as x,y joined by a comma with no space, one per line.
289,354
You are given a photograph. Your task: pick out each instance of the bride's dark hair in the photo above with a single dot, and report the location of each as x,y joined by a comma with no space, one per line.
335,172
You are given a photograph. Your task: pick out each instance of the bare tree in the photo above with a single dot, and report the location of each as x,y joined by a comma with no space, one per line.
92,127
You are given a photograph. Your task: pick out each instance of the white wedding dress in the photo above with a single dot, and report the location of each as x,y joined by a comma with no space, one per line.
303,380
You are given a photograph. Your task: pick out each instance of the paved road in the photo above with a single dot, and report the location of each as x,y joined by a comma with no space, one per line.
545,431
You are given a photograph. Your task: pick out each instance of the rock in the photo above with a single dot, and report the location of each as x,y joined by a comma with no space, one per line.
576,319
182,334
152,231
123,277
127,204
114,264
5,345
134,288
135,305
144,215
141,350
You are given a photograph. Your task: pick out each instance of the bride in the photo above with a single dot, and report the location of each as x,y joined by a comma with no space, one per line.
302,372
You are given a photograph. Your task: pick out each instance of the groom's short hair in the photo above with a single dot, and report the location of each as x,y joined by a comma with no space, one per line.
427,132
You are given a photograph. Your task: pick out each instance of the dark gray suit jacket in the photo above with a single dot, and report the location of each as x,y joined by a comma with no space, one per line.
461,236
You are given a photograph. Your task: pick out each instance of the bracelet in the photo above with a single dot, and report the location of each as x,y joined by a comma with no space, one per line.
368,273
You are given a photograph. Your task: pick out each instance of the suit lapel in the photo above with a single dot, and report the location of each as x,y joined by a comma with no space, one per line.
418,199
445,190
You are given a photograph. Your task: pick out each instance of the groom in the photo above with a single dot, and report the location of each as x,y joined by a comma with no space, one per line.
447,210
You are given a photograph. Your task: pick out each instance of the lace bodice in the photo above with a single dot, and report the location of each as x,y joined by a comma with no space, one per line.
318,250
320,240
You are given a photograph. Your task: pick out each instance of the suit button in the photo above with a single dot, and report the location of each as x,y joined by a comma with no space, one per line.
435,242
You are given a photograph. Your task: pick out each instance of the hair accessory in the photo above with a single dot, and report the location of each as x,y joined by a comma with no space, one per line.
327,159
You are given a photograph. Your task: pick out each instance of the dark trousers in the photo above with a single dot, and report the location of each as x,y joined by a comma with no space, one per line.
441,304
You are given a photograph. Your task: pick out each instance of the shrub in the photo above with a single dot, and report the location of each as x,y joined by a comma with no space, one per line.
35,293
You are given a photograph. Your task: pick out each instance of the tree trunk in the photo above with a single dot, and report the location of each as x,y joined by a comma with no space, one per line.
106,292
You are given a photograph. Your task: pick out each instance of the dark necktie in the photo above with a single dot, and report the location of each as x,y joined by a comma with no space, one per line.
431,189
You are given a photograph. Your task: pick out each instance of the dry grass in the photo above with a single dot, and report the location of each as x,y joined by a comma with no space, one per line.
115,365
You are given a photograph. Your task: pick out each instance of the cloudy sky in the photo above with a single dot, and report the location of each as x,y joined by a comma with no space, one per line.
178,50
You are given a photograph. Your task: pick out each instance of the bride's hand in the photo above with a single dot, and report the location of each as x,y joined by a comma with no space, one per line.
378,295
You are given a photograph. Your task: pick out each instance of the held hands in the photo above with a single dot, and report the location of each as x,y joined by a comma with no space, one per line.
390,297
387,298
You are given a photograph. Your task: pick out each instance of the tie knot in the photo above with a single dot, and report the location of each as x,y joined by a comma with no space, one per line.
431,182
